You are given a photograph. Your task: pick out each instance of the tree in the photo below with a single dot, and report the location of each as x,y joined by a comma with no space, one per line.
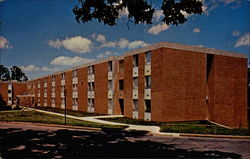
4,73
139,11
17,74
14,73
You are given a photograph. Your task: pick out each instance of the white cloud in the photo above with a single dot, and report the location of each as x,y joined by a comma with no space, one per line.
124,43
76,44
136,44
243,41
156,29
196,30
100,38
104,55
69,61
30,68
236,33
4,43
109,44
157,15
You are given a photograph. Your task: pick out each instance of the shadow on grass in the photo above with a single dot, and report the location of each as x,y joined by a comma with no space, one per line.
19,143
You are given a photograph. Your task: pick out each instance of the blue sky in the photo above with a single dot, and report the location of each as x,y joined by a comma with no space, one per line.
42,36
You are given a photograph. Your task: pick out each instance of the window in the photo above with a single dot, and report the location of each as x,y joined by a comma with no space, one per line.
75,101
147,82
62,76
148,57
9,91
91,86
121,84
109,85
45,90
53,89
135,82
53,78
121,65
62,88
53,101
9,98
135,60
148,106
45,80
110,66
135,105
74,74
62,101
110,103
91,70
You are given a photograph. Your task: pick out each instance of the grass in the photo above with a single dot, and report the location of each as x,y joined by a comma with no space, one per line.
194,127
68,112
39,117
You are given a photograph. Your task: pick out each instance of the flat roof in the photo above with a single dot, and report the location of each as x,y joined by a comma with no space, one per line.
186,48
153,47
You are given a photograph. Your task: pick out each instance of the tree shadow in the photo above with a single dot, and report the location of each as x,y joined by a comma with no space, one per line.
19,143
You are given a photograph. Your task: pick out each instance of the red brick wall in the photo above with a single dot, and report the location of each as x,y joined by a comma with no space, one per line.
117,76
128,86
82,89
228,91
101,88
141,86
49,80
184,85
68,86
4,91
157,86
58,90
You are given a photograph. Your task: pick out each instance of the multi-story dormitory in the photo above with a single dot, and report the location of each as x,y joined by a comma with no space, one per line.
161,82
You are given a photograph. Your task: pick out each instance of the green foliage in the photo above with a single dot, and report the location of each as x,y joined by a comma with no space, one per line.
139,11
69,112
4,73
39,117
14,73
194,127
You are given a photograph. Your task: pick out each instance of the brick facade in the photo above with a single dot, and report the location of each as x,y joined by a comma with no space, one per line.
162,82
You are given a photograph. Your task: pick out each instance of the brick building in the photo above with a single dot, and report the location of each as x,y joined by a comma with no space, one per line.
161,82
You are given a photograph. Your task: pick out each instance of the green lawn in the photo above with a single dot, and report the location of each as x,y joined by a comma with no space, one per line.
69,112
39,117
196,127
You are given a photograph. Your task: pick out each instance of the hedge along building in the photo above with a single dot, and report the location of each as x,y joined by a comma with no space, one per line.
161,82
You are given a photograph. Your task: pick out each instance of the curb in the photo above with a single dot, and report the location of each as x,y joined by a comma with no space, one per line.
200,135
55,125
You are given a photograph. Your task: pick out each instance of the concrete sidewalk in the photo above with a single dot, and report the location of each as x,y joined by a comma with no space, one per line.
153,130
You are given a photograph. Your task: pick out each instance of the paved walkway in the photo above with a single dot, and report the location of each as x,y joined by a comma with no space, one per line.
96,119
154,130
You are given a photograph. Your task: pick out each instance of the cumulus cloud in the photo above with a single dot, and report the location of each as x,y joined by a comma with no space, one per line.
196,30
4,43
236,33
100,38
105,54
136,44
156,29
31,68
243,41
69,61
124,43
75,44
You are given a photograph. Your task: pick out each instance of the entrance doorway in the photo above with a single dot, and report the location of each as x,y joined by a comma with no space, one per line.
121,102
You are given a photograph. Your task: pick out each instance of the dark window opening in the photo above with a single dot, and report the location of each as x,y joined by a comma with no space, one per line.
121,65
135,60
148,106
121,84
210,58
147,82
110,66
